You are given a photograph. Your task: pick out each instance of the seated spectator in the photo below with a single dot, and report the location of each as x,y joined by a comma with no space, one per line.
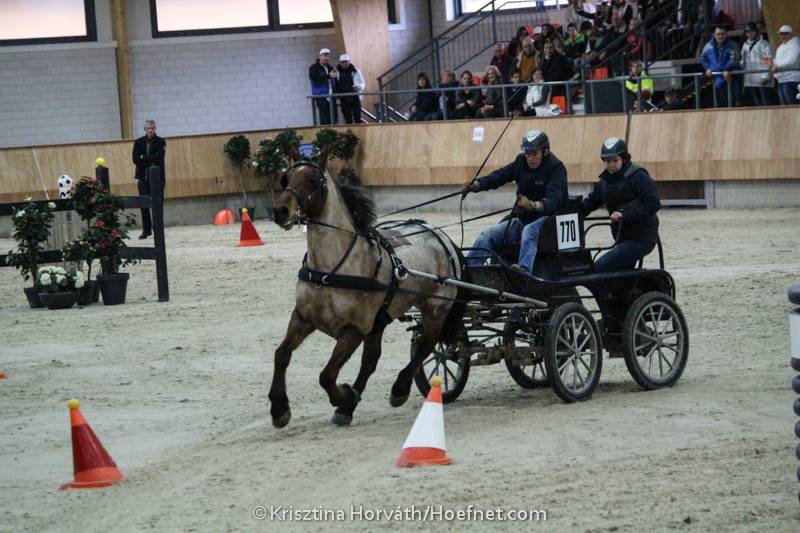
549,34
671,101
426,105
637,78
537,100
555,67
492,97
635,43
575,43
756,55
468,100
787,57
527,61
448,98
502,61
721,54
515,96
515,46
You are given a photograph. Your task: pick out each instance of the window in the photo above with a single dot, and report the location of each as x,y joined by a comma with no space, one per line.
46,21
391,6
171,18
470,6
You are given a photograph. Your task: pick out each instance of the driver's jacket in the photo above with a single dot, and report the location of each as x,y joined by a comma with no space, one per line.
547,184
632,192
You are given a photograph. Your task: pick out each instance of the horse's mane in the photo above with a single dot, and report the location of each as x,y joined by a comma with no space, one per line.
360,205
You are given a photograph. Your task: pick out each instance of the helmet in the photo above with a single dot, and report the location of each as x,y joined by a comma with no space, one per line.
535,140
613,146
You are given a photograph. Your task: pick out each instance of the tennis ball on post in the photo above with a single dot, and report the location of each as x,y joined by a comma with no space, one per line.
100,162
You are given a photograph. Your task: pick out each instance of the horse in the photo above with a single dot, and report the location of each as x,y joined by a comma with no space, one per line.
344,245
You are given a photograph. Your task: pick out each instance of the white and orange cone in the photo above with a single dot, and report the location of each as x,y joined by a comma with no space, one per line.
425,442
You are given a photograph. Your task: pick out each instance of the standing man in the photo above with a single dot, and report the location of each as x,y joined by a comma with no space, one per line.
541,191
349,80
756,55
787,57
148,151
323,77
721,54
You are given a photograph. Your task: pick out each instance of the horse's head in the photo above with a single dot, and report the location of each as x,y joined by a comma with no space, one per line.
305,189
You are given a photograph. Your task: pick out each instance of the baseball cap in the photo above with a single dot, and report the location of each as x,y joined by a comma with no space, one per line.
344,57
785,29
324,51
751,27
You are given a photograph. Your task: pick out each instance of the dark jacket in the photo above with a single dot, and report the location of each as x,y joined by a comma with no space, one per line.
632,192
144,156
427,102
557,68
320,76
470,92
548,184
450,96
344,80
503,65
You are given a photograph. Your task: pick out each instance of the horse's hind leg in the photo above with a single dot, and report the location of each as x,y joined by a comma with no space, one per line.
299,328
369,361
433,318
344,396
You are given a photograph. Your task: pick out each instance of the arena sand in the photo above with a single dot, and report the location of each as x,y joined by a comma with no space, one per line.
177,393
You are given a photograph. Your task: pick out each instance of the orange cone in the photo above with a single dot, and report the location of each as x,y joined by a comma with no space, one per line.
2,375
93,466
224,216
425,442
249,235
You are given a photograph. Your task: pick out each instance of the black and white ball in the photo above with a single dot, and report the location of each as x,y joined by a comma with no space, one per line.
65,184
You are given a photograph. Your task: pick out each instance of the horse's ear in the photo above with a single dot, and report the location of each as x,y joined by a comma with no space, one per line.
322,158
295,154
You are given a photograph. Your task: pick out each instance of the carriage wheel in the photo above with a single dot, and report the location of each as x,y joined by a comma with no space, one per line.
573,352
528,375
655,341
444,362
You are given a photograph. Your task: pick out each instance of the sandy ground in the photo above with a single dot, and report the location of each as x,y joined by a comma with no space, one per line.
177,393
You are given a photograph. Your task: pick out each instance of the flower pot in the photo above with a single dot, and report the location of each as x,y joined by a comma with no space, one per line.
59,300
113,287
32,293
89,294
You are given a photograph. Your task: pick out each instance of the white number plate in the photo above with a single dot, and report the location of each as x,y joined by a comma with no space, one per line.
568,231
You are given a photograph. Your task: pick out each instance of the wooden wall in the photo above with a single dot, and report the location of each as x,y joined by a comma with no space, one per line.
740,144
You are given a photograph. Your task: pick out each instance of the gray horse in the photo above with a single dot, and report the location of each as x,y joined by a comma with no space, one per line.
340,221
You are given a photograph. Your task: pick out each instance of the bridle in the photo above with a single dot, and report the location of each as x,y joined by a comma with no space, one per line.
319,185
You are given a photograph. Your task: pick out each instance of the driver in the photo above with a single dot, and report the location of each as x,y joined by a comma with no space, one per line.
541,191
631,197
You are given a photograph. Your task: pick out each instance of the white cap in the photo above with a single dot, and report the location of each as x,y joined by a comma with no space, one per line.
785,29
325,51
344,57
537,30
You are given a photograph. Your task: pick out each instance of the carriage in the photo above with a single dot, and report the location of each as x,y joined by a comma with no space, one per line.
543,326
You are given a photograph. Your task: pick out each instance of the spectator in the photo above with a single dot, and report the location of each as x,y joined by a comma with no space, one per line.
555,67
448,98
756,55
527,61
576,14
515,46
721,54
549,34
349,80
467,100
537,100
575,44
426,104
148,151
594,46
614,41
516,96
502,61
322,75
635,43
787,57
638,78
492,97
671,101
621,8
602,15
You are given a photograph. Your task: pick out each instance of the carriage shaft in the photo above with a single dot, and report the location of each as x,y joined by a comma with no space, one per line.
478,288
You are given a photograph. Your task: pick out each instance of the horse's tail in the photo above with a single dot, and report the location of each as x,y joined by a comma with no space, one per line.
453,323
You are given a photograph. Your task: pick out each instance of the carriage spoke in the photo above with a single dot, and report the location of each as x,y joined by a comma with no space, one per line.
444,366
448,371
435,369
577,373
645,335
673,347
664,357
585,340
574,374
660,363
587,367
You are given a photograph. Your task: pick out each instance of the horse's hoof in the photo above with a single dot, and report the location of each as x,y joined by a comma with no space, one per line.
397,401
283,420
341,419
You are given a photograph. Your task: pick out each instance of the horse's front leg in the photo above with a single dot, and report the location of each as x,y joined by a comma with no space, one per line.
344,396
369,361
299,328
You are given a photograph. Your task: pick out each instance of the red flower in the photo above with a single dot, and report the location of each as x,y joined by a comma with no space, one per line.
99,224
115,233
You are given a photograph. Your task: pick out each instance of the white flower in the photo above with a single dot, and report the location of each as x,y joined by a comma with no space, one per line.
51,205
79,276
19,214
79,282
44,279
254,164
61,280
59,270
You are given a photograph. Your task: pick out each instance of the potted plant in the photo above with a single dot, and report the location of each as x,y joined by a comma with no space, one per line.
32,226
238,150
272,157
107,235
343,146
58,287
83,250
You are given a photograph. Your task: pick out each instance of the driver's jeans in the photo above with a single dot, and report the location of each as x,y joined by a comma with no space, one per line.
508,233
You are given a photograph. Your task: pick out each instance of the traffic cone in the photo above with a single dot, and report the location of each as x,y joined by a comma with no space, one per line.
425,442
2,375
92,464
249,235
224,216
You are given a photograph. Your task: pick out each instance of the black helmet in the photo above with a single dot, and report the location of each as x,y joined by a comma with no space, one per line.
535,140
613,146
